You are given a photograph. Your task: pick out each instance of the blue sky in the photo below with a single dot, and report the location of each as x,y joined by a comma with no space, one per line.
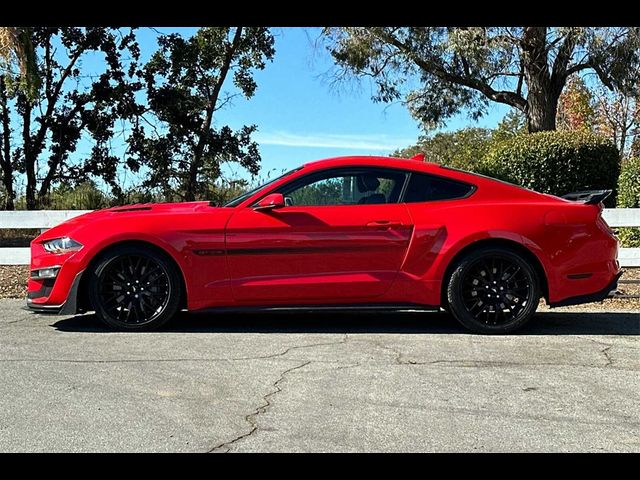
300,116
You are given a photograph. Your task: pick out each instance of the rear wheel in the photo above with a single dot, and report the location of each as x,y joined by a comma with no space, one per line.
493,290
134,288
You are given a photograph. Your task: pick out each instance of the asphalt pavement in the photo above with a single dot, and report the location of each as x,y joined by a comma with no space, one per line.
389,382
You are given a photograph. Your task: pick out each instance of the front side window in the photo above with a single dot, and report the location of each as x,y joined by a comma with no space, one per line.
345,187
238,200
429,188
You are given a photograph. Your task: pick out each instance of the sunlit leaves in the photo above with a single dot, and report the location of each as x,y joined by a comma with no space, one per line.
441,71
186,82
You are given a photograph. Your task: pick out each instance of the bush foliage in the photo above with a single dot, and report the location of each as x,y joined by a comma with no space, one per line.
556,162
629,197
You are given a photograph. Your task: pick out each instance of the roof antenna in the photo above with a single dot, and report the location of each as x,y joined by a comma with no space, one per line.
419,157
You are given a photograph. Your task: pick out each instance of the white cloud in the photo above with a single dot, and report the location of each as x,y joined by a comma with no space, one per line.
328,140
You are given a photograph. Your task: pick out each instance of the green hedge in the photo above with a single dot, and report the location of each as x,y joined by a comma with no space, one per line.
555,162
629,197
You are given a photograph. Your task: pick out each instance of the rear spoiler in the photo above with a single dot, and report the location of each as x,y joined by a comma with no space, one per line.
588,197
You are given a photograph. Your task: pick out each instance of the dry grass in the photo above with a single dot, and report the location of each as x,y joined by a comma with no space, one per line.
17,237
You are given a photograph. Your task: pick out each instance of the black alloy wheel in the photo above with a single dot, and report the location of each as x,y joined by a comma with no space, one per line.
493,290
133,288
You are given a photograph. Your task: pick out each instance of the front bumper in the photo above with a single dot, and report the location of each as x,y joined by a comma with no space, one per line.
68,307
598,296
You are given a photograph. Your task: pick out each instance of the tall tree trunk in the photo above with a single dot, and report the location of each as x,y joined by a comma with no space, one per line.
30,156
196,162
5,145
542,106
542,97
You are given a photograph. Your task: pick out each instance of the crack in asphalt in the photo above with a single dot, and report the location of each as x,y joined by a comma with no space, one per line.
252,417
465,363
12,322
344,367
607,354
399,360
442,362
164,360
295,347
489,363
606,351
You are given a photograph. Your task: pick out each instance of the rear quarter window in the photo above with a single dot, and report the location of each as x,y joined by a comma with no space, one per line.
429,188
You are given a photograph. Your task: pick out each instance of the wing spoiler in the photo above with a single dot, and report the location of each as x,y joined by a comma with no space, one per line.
588,197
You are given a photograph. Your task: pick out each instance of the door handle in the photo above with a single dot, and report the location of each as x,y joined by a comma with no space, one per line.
384,224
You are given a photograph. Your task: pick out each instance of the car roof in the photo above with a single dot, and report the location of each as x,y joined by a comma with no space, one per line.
419,165
373,160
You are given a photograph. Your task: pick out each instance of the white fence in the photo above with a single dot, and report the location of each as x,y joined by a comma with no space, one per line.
44,219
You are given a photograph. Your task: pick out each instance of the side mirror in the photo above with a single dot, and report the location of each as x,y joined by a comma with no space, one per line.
270,202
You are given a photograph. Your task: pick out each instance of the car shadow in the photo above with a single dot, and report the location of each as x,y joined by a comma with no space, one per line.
544,323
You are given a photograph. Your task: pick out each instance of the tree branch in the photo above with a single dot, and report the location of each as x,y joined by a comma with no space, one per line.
211,107
55,163
503,96
565,52
38,142
577,67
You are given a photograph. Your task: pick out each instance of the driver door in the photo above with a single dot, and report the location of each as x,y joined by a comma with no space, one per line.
341,237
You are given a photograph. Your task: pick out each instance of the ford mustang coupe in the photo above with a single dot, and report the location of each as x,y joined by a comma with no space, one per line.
343,233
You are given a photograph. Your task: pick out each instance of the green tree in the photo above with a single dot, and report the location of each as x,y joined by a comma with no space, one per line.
465,148
460,149
460,68
614,115
576,106
83,196
618,118
17,50
513,123
38,133
177,138
629,197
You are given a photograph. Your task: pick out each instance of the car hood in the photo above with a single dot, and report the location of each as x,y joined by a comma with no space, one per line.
125,211
142,209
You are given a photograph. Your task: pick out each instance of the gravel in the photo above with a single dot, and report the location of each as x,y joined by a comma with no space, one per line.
13,281
13,284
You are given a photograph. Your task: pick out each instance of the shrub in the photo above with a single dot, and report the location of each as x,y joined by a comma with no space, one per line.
84,196
629,197
555,162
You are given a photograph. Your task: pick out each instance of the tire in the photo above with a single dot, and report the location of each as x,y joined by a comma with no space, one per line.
135,288
493,290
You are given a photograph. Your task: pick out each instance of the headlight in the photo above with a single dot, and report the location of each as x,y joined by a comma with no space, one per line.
61,245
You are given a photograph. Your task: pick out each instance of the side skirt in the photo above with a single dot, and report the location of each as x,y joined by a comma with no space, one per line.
367,307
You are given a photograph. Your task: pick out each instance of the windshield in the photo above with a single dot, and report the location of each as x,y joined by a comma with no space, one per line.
238,200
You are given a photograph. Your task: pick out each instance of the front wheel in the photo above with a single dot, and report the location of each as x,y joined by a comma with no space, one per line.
134,288
493,290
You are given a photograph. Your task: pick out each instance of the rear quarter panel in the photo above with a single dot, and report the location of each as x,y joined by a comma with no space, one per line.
563,236
442,229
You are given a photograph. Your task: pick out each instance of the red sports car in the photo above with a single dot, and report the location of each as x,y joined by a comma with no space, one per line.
344,233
